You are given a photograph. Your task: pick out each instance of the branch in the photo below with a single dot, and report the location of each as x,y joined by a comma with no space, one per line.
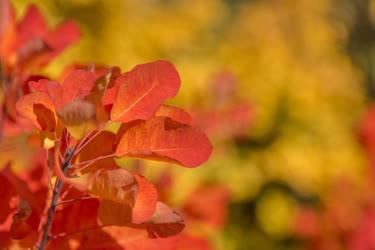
54,202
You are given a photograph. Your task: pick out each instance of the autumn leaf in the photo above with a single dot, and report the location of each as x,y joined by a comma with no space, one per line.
64,100
162,139
78,233
136,239
53,89
31,26
39,109
77,85
7,17
138,93
23,199
29,43
119,185
145,201
105,79
63,36
177,114
165,222
101,145
81,143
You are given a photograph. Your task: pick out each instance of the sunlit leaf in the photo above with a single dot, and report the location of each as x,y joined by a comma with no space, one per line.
138,93
162,139
119,185
39,109
177,114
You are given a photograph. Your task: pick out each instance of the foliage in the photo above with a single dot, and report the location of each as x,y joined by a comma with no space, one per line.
74,195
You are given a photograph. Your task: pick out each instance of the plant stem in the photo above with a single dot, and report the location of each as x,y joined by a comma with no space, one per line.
86,197
54,203
80,231
89,137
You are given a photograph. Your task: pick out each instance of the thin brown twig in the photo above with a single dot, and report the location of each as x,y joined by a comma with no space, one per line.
55,199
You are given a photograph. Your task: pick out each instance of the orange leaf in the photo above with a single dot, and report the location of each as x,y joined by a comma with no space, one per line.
63,36
101,145
162,139
77,85
39,109
19,230
114,184
32,25
145,201
133,191
136,239
176,114
7,17
165,222
52,88
139,93
105,79
82,233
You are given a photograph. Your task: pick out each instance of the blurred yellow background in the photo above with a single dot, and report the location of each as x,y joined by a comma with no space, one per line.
304,65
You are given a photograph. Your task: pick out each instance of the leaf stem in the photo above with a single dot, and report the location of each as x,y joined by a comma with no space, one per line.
85,164
87,139
86,197
79,231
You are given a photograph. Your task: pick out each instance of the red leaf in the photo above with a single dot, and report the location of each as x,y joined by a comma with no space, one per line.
63,36
77,85
30,185
139,93
165,222
145,201
31,26
82,233
101,145
23,201
114,213
7,17
7,191
120,186
39,109
52,88
176,114
114,184
162,139
136,239
85,210
20,230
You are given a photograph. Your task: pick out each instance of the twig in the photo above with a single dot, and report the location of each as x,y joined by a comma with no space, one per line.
54,202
